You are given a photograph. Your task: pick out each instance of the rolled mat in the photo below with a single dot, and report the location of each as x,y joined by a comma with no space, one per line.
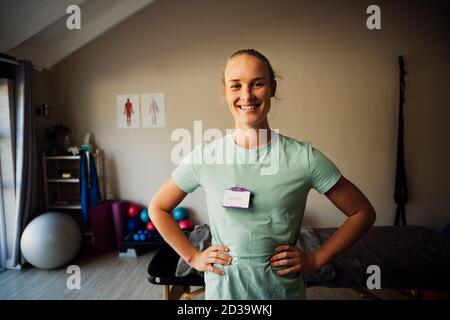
102,227
119,213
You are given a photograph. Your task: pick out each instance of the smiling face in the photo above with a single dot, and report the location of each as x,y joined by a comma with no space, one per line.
247,90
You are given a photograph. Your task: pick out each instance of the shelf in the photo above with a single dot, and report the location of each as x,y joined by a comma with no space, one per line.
63,194
65,206
64,180
94,154
62,157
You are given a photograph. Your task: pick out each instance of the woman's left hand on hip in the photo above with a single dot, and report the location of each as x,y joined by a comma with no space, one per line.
294,259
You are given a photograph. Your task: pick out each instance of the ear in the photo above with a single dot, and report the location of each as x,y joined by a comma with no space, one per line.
274,88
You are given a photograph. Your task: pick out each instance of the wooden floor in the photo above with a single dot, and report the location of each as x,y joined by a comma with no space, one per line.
112,278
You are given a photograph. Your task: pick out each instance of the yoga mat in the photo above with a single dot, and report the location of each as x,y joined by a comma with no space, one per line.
102,227
119,213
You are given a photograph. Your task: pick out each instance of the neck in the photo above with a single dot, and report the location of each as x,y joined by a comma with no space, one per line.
252,137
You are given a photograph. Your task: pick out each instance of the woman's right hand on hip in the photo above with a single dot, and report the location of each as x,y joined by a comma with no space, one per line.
205,260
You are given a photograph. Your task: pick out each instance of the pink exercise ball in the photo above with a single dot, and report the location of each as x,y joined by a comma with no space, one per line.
150,226
185,224
134,210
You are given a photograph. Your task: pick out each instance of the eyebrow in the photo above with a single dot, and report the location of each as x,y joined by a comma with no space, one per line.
256,79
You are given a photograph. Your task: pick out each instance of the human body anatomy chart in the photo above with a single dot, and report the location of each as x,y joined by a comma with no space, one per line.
153,110
128,111
145,110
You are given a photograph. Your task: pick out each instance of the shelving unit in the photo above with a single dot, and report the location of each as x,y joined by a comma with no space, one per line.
62,185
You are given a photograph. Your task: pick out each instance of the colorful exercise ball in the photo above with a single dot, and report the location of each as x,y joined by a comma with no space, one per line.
144,216
180,213
185,224
133,225
134,210
51,240
150,226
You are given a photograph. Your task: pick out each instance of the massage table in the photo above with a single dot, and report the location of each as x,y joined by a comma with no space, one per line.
412,259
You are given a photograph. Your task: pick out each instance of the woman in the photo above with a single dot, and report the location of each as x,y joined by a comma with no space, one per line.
253,253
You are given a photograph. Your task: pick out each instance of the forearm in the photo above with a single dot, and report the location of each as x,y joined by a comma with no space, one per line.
347,234
172,233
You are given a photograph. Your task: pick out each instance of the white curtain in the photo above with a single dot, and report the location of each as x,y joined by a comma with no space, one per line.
7,199
3,248
24,156
18,162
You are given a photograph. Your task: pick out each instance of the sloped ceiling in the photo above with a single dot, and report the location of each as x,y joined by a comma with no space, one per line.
36,29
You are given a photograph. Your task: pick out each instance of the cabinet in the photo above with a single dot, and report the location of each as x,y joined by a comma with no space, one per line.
62,184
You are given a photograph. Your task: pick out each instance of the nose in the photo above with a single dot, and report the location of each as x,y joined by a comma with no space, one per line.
247,93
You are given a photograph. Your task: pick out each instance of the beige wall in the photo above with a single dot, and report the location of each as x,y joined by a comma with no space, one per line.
339,90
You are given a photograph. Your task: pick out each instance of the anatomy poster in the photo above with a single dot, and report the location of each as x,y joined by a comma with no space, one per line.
128,112
153,110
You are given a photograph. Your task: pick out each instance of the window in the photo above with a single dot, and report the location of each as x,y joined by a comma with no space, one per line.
7,194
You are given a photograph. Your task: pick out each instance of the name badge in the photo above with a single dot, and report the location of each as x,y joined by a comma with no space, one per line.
236,198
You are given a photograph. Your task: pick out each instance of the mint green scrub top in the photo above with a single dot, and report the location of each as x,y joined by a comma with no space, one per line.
279,175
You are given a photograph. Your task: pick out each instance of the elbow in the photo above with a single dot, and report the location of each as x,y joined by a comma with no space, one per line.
152,210
156,210
371,216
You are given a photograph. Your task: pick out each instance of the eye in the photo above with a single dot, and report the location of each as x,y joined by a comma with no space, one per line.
235,86
258,84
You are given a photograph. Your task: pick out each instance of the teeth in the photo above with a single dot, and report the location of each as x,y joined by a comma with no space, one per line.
248,107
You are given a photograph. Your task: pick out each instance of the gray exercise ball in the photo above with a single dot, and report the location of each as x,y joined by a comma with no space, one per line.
51,240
